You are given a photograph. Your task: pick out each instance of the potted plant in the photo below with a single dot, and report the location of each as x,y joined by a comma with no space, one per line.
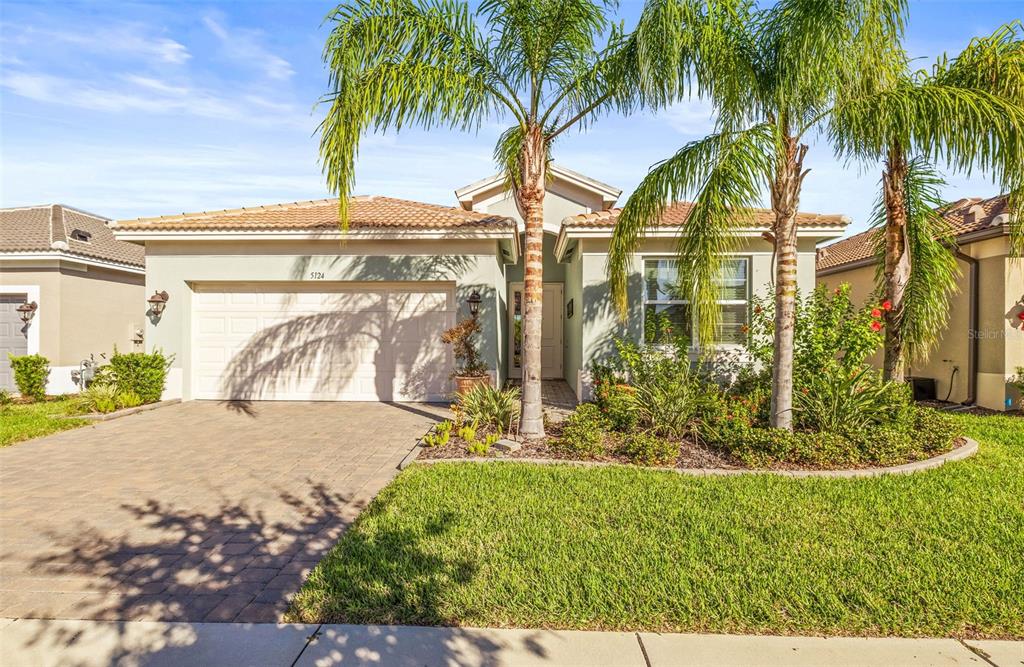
470,369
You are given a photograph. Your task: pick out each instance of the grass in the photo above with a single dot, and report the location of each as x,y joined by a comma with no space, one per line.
938,553
22,421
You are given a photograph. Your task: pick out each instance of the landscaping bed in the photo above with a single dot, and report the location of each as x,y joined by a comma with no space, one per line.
511,544
24,419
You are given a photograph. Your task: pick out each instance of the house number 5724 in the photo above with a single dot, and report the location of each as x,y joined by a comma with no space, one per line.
316,275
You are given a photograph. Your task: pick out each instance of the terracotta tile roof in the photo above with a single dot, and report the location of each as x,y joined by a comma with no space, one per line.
676,214
364,213
964,216
69,231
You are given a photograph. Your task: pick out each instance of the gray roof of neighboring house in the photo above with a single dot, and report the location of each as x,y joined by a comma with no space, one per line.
69,231
965,216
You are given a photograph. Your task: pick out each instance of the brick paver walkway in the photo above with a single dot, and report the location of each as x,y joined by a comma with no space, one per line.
200,511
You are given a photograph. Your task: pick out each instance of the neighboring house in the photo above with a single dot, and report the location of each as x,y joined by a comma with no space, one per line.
274,302
88,288
983,343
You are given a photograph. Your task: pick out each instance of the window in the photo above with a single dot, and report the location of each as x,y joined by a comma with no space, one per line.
667,310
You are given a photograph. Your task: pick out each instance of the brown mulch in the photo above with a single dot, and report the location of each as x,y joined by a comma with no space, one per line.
974,410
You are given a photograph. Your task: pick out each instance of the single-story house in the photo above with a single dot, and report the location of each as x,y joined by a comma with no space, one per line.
87,287
274,302
983,342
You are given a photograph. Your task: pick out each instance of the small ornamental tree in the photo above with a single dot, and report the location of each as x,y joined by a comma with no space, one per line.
467,359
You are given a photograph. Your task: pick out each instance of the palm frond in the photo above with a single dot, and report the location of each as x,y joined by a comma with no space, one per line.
725,172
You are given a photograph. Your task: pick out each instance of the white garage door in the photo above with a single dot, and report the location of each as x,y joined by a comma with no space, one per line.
322,342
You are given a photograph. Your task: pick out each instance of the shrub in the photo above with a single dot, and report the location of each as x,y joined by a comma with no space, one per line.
128,399
482,447
669,406
99,398
583,432
760,447
934,430
467,359
5,398
138,372
1017,382
648,449
618,404
31,373
850,402
494,408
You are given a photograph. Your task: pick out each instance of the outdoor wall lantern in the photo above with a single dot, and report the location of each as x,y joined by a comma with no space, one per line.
474,303
158,302
27,311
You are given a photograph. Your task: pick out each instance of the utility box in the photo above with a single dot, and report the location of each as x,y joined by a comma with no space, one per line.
924,388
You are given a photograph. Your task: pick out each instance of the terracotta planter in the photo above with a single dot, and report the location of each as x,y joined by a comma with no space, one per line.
464,383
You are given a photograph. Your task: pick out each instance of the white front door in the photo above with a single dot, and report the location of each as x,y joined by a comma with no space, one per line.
551,337
321,341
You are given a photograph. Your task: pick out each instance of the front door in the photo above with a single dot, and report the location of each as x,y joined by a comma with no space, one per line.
551,338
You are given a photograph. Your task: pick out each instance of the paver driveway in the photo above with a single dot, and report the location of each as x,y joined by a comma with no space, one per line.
201,511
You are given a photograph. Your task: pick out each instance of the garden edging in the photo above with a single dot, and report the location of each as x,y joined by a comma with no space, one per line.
967,449
102,417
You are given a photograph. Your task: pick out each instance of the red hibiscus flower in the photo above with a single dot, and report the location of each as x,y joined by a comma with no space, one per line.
876,326
887,305
876,312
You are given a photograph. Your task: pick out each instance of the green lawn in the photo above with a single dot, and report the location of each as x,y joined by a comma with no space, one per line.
31,420
507,544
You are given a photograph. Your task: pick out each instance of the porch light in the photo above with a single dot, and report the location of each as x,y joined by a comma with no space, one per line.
157,302
27,311
474,303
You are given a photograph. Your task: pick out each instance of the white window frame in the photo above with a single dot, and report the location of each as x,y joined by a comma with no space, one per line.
695,343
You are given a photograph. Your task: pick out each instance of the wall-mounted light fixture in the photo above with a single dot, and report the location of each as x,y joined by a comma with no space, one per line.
158,302
27,311
474,303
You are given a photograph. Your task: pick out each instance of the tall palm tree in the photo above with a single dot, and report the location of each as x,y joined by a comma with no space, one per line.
774,80
967,112
547,66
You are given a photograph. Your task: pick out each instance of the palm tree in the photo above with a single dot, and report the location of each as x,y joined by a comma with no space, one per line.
773,81
548,66
967,112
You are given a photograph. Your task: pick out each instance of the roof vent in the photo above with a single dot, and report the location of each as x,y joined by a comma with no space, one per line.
81,235
974,214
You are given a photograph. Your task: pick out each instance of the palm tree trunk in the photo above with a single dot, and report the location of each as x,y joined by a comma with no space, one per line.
789,176
897,266
530,199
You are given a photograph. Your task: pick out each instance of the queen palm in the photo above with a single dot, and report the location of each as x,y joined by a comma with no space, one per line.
967,112
544,66
774,81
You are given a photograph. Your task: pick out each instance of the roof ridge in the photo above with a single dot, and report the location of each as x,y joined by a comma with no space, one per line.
306,203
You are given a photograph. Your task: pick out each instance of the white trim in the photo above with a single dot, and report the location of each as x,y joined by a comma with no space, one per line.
132,235
69,258
609,194
31,293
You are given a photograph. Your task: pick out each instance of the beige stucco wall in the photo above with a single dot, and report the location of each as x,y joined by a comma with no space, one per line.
1001,340
83,309
561,200
175,266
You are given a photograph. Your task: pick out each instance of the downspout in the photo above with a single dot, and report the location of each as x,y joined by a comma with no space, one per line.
972,338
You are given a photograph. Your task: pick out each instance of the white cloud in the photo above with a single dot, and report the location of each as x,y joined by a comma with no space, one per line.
156,96
245,46
115,38
692,118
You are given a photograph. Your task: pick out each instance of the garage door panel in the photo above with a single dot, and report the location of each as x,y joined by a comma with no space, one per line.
346,342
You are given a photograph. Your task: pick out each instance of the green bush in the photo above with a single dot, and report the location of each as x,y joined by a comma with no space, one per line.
852,402
482,447
5,398
935,431
99,398
648,449
617,402
137,372
31,373
128,399
583,432
488,406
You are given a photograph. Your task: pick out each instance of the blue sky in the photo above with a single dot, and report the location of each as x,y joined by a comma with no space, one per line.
138,109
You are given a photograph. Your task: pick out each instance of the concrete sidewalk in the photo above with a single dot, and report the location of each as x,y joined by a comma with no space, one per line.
86,643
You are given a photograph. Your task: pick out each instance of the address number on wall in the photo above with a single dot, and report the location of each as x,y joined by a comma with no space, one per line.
316,275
